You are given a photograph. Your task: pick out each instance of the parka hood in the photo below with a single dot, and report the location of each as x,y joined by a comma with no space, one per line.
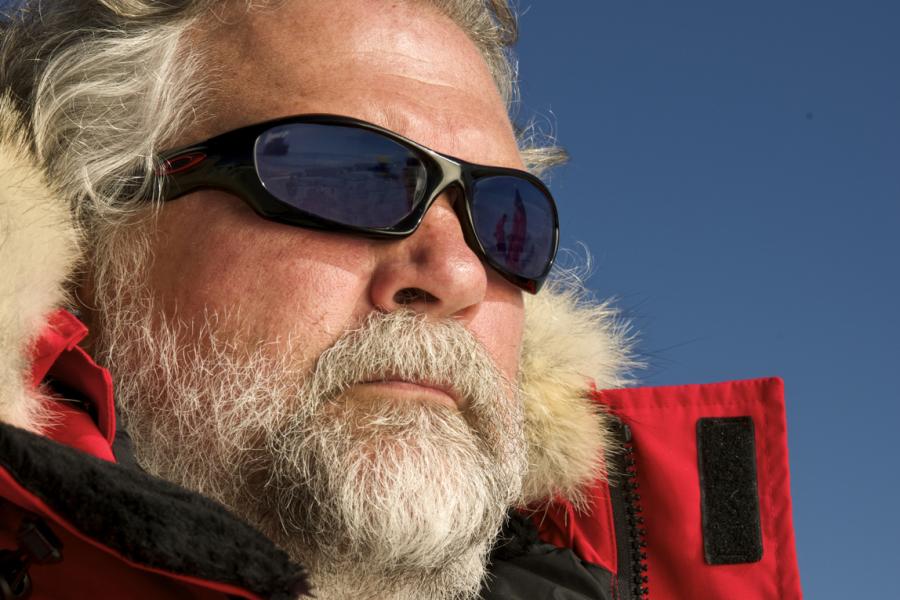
570,344
38,250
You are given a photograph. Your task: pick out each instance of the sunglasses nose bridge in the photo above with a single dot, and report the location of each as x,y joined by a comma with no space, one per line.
453,179
451,176
451,173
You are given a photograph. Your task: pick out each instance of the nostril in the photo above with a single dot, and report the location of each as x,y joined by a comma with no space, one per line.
412,295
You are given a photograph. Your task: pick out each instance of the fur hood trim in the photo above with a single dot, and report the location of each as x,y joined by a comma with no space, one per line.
569,341
38,249
572,345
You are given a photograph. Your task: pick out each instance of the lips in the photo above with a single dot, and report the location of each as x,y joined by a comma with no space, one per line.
436,386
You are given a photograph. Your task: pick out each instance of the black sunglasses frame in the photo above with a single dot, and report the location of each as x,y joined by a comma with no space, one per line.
227,162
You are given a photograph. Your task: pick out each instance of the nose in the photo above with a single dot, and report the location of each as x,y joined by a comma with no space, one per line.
433,271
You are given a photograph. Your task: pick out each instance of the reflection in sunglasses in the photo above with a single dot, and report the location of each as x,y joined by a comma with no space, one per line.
512,245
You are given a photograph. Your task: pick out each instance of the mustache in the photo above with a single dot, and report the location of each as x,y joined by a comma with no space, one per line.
406,345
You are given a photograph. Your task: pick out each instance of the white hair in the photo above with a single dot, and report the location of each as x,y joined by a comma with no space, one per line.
406,496
106,84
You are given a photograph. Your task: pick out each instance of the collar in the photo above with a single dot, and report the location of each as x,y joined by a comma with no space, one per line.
56,355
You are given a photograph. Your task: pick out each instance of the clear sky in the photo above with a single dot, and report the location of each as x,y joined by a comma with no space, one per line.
735,174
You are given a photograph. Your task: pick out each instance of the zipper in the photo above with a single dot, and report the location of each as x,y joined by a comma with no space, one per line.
631,536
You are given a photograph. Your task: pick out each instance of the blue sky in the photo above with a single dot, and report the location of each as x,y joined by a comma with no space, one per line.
735,175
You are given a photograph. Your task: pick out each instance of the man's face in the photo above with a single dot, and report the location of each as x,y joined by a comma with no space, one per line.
354,399
401,67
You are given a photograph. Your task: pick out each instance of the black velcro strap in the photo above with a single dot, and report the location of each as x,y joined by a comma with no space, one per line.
729,499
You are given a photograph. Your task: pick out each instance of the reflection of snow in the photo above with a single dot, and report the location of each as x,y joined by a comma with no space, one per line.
340,173
376,193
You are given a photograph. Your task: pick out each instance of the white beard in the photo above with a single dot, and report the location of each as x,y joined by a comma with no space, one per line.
385,499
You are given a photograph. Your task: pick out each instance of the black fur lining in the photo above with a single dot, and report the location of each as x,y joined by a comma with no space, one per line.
148,520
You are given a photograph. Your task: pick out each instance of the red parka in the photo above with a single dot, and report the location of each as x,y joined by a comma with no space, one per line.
697,507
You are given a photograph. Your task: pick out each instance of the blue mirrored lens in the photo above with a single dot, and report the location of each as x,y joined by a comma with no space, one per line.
344,174
515,222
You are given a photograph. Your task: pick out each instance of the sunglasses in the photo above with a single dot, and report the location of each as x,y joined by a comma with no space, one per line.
345,175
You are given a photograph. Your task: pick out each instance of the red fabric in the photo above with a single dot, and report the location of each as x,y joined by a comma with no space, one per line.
56,354
92,569
663,421
590,534
73,427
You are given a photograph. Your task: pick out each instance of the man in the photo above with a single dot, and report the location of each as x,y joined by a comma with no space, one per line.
305,243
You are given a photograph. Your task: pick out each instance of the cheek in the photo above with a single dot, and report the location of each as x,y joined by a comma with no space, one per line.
214,255
499,323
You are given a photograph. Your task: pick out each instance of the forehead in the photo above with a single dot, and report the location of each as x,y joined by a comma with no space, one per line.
401,65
